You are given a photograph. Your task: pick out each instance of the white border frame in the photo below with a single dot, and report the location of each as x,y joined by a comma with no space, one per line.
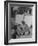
33,31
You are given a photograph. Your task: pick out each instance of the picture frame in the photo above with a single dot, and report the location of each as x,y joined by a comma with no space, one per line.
8,5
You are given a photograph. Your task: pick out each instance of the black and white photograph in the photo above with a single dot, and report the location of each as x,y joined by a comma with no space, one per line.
20,22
